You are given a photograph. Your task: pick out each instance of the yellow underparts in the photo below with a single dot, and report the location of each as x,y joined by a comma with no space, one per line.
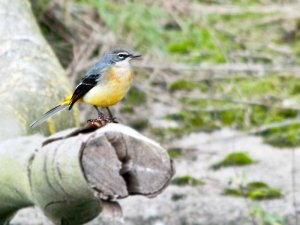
109,91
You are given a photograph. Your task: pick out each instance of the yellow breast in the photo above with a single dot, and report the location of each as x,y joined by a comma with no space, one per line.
111,89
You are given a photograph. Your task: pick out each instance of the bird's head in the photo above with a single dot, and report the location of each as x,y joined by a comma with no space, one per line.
121,57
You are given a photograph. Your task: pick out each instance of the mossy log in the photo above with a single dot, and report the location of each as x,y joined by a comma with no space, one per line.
68,176
32,80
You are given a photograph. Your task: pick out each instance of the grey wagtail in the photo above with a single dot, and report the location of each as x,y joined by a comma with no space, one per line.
105,84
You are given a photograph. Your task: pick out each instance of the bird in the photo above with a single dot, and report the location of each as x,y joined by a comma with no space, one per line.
105,84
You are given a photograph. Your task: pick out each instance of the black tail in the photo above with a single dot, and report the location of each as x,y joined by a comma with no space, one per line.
48,114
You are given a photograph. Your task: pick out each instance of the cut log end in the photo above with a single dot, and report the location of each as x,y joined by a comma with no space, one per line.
118,162
76,172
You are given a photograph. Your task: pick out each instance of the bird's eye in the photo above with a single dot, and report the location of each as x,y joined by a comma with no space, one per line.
122,56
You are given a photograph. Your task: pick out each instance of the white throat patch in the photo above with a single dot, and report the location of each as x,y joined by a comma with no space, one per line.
124,63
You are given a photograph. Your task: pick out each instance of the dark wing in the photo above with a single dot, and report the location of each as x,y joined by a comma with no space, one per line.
86,84
92,77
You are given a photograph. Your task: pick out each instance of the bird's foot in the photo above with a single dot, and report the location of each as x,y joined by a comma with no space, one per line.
102,120
107,119
112,120
98,122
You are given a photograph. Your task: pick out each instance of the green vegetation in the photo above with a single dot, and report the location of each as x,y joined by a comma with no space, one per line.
39,7
125,19
247,104
182,85
127,109
187,180
188,86
139,124
243,100
150,26
191,121
284,137
175,152
133,20
265,217
234,159
135,97
177,197
255,191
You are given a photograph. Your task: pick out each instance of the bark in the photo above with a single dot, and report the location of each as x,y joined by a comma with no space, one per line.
69,176
32,80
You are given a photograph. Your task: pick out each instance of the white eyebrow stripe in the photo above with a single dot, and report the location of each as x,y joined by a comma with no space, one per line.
123,53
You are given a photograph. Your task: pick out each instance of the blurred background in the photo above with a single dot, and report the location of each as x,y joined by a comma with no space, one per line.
218,86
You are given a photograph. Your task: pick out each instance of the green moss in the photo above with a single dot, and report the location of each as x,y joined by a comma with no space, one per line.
139,124
191,121
175,132
260,191
295,89
216,113
256,185
182,85
187,180
161,133
127,109
177,197
234,159
188,86
198,46
257,86
135,97
228,118
175,152
232,191
255,191
265,193
235,116
166,134
284,137
265,217
182,47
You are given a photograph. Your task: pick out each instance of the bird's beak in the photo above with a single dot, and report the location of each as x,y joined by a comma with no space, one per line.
135,56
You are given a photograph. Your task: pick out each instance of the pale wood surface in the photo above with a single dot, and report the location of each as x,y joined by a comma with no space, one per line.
69,177
32,79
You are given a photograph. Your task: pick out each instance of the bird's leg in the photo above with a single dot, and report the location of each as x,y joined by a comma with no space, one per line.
100,121
111,117
100,114
109,112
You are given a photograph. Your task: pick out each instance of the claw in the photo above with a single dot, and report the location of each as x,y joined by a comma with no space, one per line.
101,121
112,120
